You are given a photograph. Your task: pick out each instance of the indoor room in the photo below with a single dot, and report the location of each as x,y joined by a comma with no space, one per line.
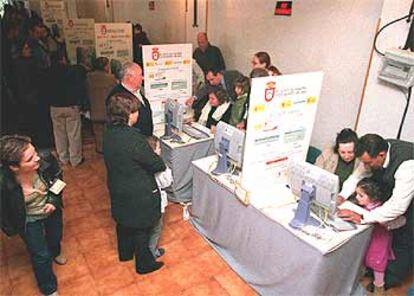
207,147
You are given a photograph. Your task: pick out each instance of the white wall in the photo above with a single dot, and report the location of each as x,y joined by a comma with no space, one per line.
165,24
332,36
384,104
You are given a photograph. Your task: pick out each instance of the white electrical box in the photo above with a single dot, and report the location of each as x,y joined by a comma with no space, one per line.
398,67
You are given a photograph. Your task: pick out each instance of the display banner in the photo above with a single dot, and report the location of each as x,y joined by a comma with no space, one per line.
53,13
114,41
168,74
279,127
79,34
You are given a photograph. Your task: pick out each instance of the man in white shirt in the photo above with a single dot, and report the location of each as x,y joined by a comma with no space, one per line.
391,163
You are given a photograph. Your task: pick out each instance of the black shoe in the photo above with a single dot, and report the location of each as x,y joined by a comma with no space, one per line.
161,251
155,267
124,259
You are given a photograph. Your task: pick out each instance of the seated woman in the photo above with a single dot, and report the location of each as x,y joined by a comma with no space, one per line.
29,207
340,159
217,109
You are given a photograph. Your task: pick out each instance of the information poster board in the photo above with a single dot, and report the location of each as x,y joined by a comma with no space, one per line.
79,33
281,116
168,74
114,41
53,13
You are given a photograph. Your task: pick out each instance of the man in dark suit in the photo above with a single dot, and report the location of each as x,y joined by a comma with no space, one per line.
131,82
215,79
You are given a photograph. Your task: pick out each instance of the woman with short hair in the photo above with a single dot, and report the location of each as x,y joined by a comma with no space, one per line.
135,197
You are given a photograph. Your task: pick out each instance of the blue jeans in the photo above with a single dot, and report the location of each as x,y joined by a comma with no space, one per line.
42,240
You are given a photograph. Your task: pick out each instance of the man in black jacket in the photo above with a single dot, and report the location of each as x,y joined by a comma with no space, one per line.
131,83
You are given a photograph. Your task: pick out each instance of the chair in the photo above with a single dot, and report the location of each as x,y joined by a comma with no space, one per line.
312,154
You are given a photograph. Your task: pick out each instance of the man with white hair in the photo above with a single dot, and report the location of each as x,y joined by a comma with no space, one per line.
131,81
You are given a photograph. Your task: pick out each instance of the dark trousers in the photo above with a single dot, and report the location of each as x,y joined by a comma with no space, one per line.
402,245
42,240
135,241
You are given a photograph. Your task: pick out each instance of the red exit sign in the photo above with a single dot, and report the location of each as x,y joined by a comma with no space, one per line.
283,8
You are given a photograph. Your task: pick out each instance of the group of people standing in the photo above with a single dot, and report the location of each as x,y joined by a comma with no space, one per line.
380,171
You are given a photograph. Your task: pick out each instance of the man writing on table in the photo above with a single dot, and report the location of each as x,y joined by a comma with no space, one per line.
391,163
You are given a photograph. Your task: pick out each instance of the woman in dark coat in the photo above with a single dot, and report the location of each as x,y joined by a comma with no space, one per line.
135,197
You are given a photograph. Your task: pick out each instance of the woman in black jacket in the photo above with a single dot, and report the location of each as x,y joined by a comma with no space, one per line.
135,197
29,208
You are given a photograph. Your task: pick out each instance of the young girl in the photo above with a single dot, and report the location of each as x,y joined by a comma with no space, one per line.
164,180
379,252
241,88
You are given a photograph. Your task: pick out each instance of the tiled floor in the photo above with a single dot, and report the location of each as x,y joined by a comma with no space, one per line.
191,266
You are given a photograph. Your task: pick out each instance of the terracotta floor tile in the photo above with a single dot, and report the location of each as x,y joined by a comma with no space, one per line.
211,288
212,263
167,235
25,285
131,290
182,228
19,266
233,284
84,285
14,246
82,225
70,245
102,260
187,274
105,218
195,244
93,239
5,281
117,277
174,253
75,267
159,282
82,209
173,213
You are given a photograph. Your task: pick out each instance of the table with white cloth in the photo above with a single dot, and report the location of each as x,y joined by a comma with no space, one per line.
257,242
178,157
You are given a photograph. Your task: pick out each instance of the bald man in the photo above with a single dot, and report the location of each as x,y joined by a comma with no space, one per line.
131,82
208,56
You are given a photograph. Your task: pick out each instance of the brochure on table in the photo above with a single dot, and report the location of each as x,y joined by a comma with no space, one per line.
168,75
114,41
53,12
79,33
279,127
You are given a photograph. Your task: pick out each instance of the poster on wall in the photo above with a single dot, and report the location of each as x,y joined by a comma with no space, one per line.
281,116
114,41
54,15
168,74
80,39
